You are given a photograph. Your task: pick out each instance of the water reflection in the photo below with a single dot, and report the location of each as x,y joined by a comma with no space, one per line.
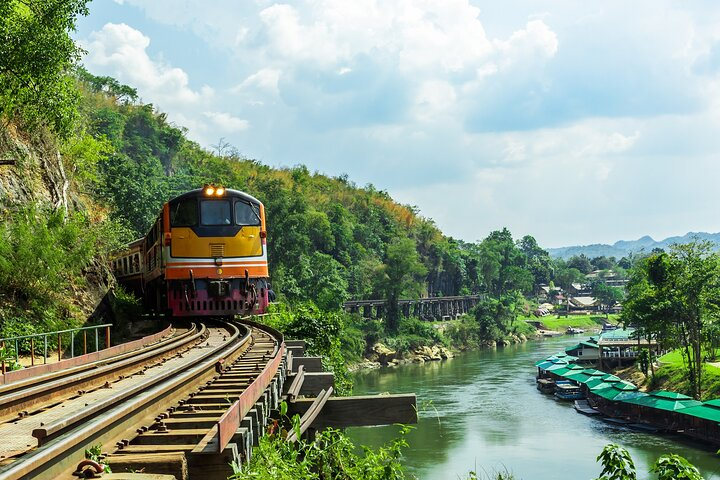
481,411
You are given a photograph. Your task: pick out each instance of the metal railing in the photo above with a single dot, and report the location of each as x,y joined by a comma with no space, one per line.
72,333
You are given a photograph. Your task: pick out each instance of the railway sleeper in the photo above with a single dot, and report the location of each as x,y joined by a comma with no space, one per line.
179,436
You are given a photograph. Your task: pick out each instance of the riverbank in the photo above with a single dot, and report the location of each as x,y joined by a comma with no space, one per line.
421,342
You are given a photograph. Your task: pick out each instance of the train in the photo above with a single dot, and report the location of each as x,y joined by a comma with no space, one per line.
205,255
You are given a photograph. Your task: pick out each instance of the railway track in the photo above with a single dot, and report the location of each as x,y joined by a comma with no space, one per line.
179,404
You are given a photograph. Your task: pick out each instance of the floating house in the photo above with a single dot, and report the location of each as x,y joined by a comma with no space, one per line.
702,421
621,401
586,352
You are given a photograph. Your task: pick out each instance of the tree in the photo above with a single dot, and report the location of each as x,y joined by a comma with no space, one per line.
504,265
678,291
580,262
538,260
36,57
603,263
496,317
401,274
565,276
605,293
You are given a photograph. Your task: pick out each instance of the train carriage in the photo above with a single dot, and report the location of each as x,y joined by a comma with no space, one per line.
206,254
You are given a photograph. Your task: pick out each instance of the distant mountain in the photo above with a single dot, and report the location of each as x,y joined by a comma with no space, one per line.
623,247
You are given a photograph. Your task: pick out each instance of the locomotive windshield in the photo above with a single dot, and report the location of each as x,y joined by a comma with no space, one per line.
246,214
184,213
215,212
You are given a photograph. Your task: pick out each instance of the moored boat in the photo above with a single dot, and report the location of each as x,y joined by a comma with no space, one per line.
584,407
546,385
568,391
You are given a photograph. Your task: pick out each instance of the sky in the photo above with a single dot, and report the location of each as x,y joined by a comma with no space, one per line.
576,122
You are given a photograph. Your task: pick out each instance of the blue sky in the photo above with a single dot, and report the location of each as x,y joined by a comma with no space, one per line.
575,122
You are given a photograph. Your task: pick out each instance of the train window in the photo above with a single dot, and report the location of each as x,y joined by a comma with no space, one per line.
183,213
246,214
215,212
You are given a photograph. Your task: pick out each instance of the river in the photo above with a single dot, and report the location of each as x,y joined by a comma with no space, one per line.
481,411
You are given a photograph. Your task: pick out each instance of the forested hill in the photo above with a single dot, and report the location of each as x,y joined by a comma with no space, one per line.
625,248
328,239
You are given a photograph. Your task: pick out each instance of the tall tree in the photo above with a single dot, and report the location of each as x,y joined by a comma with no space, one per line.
678,291
401,275
36,56
504,265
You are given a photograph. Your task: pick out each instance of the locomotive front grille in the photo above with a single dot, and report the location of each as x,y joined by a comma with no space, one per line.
217,250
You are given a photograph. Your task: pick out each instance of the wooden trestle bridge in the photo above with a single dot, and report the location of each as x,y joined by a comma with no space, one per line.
430,308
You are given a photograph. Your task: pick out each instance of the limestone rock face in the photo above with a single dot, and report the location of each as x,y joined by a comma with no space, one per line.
31,170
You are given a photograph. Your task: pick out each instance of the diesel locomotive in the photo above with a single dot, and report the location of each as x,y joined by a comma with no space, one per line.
205,255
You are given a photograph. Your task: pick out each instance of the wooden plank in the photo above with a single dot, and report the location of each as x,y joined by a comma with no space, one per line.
310,415
361,411
312,364
314,382
210,442
296,384
172,463
297,351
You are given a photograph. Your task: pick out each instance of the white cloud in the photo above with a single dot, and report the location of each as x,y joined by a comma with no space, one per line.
121,51
265,79
227,122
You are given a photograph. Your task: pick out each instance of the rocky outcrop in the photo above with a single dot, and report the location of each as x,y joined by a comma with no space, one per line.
31,170
382,354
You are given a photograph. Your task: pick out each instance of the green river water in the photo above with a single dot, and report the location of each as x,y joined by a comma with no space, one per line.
481,411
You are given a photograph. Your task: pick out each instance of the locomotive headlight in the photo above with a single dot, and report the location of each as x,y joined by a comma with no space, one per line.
220,191
209,190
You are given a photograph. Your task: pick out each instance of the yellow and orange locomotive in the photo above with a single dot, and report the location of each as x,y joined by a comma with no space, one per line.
205,254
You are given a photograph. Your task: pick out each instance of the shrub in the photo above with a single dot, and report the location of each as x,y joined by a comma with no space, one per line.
44,257
331,456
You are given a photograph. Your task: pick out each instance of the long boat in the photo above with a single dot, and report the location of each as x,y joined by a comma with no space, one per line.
568,391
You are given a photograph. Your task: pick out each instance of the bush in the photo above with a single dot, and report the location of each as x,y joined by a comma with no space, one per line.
324,334
464,333
44,257
331,456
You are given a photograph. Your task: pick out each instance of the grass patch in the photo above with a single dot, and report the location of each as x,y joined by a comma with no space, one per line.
673,376
587,322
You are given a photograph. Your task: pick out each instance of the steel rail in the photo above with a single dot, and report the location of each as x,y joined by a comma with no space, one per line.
59,454
43,394
47,432
91,364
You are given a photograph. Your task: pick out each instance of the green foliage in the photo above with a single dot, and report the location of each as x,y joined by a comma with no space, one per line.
125,306
331,456
323,333
675,467
399,276
463,333
672,297
44,256
413,333
606,294
617,464
36,55
95,454
503,265
7,356
497,318
82,155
